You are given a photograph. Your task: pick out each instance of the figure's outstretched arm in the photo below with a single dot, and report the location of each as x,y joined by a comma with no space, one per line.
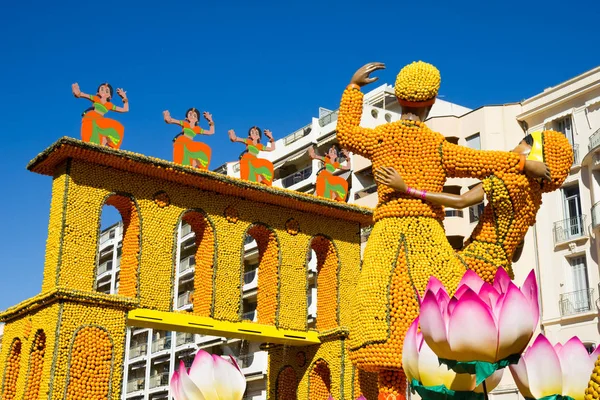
271,145
313,155
169,120
211,124
78,93
349,132
123,96
390,177
234,138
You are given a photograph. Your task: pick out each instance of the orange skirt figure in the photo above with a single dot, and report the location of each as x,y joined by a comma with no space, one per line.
188,152
95,128
331,186
256,169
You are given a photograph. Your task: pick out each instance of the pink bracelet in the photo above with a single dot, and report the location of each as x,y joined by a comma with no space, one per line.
409,190
423,193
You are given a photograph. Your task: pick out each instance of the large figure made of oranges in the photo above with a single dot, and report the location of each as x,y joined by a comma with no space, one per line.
407,244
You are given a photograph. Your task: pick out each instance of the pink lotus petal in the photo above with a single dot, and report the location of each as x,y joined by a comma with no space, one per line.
543,369
433,325
434,374
515,327
595,354
443,299
519,374
472,331
471,280
174,385
558,347
530,290
501,280
489,295
202,374
434,285
452,306
361,397
410,352
187,388
577,367
460,291
229,383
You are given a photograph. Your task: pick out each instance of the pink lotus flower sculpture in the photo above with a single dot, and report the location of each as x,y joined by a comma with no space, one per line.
211,377
427,375
482,327
560,370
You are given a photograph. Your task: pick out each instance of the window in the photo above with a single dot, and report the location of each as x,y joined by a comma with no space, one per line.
565,126
580,298
474,142
475,212
590,347
574,221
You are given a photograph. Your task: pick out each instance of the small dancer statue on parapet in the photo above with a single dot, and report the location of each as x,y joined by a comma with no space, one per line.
95,127
252,168
328,185
185,150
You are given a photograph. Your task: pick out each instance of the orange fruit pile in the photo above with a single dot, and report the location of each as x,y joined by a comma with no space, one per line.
327,273
36,365
287,384
268,273
11,372
319,381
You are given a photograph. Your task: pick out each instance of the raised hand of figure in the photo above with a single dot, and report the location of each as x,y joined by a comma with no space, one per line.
122,93
345,153
167,115
207,116
311,152
269,134
536,169
232,136
362,75
390,177
75,89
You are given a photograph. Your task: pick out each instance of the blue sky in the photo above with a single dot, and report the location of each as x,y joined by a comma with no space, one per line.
270,64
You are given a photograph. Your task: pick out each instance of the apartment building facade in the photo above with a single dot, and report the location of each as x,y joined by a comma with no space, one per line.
561,247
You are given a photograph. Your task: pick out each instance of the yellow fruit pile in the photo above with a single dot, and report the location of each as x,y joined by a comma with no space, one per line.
593,390
392,385
418,82
90,365
327,283
11,371
204,272
267,297
558,155
36,366
287,384
319,381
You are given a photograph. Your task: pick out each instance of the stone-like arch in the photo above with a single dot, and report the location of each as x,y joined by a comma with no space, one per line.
91,366
319,381
11,371
287,384
206,261
269,264
132,242
328,266
36,365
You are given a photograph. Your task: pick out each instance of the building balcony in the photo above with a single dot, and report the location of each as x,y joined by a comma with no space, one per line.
135,385
450,212
187,265
255,395
136,351
328,119
299,134
185,299
159,380
183,338
186,232
161,344
569,229
576,159
249,316
254,363
312,303
250,279
594,140
596,215
360,163
577,302
293,181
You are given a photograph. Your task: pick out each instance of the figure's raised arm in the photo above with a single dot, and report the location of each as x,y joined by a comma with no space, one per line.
123,95
313,155
271,145
349,132
211,124
234,138
348,165
169,120
78,93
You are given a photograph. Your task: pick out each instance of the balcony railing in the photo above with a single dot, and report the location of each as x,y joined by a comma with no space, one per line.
185,298
328,118
296,177
160,379
246,360
576,302
450,212
187,263
161,344
249,276
576,154
185,230
138,350
184,338
299,134
133,385
366,191
248,316
569,229
475,212
594,140
102,268
596,214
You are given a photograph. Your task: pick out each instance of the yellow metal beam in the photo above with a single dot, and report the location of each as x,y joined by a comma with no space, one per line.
251,331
